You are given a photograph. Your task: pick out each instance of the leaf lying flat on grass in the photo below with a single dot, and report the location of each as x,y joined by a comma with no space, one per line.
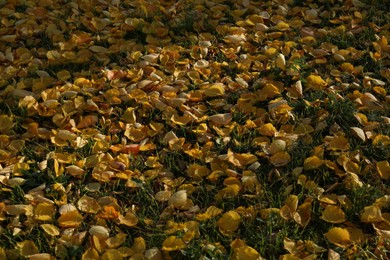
193,129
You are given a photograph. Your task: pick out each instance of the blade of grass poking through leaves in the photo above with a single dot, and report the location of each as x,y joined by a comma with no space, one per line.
194,129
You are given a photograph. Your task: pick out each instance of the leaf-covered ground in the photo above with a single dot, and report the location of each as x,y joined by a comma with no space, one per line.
194,129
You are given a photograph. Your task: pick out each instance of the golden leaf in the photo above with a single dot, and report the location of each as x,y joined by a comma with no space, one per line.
118,240
44,211
290,206
371,214
173,243
6,123
246,252
90,253
27,248
215,90
229,222
70,219
50,229
197,172
315,82
74,170
383,169
267,129
87,121
338,236
312,163
139,245
356,235
280,159
178,199
280,61
41,256
333,214
112,254
304,213
88,204
130,219
211,212
163,195
230,191
338,143
221,119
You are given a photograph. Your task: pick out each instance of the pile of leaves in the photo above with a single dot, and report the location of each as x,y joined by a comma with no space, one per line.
194,129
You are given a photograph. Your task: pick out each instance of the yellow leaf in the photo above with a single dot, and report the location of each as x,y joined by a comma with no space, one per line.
304,213
50,229
88,204
333,214
229,222
356,235
41,256
230,191
90,253
338,143
221,119
27,248
312,163
267,129
371,214
290,206
211,212
178,199
63,75
139,245
173,243
74,170
163,195
44,211
381,140
338,236
118,240
267,213
383,169
70,219
112,254
215,90
282,26
3,255
316,82
280,159
280,61
87,121
6,123
277,145
197,172
130,219
246,253
303,129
